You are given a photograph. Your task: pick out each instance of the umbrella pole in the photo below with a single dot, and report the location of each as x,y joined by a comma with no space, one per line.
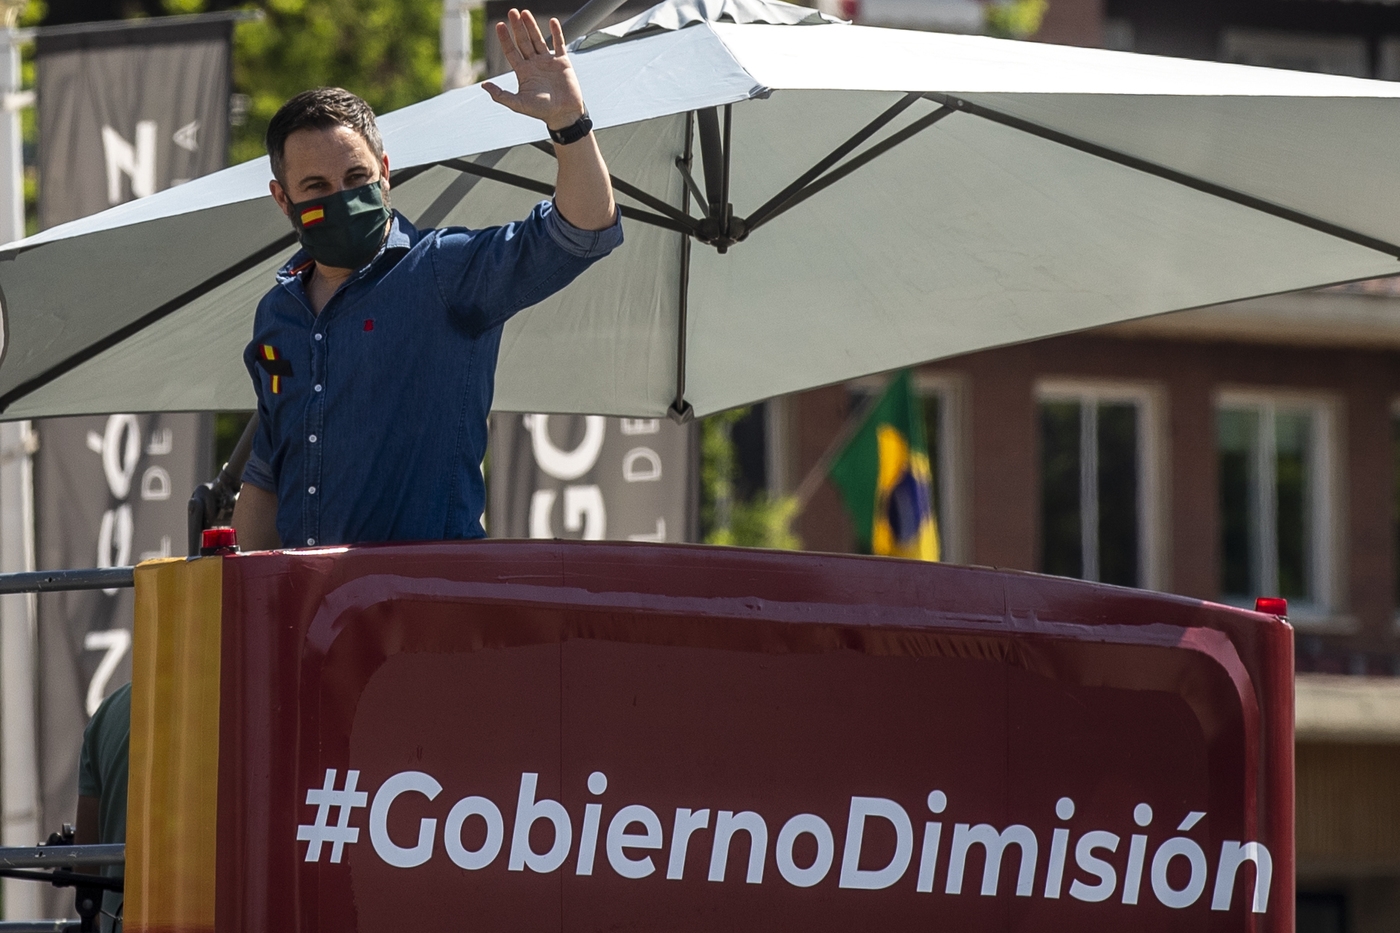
680,411
718,229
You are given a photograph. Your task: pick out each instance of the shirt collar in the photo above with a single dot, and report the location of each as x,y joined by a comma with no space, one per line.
402,236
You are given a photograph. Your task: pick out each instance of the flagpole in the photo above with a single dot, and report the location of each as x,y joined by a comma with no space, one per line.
817,474
458,56
11,103
19,775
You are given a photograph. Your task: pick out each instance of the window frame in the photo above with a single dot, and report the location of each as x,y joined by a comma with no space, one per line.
1325,463
953,467
1153,507
1394,510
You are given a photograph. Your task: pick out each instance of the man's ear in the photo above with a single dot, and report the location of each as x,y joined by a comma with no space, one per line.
384,171
280,196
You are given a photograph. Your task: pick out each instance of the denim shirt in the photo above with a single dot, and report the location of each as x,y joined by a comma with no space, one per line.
373,413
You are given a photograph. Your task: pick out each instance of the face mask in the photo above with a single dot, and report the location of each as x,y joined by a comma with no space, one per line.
343,230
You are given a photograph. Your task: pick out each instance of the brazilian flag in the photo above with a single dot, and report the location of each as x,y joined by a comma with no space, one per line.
884,477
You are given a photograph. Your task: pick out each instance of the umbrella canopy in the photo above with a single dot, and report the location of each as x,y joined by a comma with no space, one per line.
806,202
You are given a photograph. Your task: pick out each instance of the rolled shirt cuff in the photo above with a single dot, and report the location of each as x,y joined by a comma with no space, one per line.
259,474
585,244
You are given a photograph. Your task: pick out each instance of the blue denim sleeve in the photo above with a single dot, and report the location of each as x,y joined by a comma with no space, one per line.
259,469
486,276
257,472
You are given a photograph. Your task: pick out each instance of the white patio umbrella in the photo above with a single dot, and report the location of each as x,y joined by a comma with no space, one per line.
806,202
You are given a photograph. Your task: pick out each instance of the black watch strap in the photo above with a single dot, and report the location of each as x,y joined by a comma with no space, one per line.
573,132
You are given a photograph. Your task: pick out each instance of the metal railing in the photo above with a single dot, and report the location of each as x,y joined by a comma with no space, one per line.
50,581
61,856
57,865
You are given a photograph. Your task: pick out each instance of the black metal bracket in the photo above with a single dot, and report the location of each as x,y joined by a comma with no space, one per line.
722,229
691,188
64,878
784,199
635,193
87,900
212,503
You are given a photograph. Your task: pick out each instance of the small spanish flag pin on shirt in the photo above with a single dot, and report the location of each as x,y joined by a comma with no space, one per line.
310,216
277,367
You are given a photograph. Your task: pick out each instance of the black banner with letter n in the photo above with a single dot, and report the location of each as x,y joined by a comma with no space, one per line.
125,109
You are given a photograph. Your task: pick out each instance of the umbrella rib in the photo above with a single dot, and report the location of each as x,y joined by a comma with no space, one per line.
146,320
1172,175
778,202
846,168
694,187
636,194
532,184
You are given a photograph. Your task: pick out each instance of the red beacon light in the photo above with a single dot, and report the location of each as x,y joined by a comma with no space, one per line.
1272,606
220,539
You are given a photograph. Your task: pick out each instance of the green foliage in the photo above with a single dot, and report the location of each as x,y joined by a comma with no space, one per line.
718,467
762,521
32,15
384,50
228,428
479,34
1015,19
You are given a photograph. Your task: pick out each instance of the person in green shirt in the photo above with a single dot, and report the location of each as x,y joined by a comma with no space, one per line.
102,777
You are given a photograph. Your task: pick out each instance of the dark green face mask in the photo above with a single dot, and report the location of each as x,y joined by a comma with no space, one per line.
343,230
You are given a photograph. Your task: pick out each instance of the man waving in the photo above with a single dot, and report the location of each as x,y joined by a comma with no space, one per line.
374,356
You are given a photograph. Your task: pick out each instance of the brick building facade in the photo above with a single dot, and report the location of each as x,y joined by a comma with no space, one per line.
1221,453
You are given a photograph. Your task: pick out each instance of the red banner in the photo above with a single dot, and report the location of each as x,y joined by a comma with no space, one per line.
513,736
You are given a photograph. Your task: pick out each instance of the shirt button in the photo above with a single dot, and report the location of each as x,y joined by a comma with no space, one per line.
312,438
317,387
310,540
318,336
311,489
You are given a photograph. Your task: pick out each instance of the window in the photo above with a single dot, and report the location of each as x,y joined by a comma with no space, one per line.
1275,477
1321,912
1098,485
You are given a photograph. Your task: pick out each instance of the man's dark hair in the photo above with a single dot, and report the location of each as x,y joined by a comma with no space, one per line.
319,109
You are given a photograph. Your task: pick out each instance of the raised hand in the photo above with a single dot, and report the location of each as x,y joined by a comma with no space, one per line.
548,88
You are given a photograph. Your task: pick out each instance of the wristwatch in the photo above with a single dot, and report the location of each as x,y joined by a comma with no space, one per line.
573,132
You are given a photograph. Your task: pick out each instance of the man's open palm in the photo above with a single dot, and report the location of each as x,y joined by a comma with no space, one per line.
548,89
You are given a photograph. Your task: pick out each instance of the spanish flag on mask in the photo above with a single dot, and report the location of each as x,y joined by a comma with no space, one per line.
884,478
